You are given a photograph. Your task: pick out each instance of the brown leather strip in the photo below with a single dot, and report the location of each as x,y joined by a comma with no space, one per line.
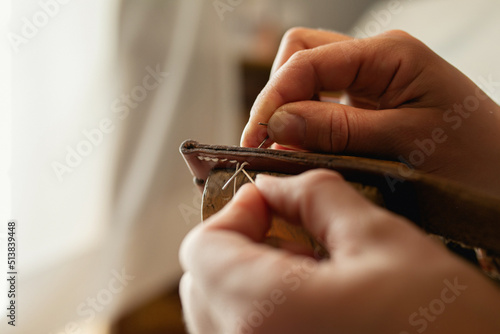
439,206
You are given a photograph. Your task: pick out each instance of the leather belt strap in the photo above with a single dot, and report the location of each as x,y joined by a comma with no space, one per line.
437,205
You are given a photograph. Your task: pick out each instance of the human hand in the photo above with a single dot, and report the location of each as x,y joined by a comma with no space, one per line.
403,103
383,276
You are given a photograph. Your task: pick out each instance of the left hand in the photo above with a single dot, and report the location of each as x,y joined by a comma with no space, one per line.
384,275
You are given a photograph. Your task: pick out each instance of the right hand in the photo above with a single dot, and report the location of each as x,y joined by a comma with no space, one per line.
383,276
404,103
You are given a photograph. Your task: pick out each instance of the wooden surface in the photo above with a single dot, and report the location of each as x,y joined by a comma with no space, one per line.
162,315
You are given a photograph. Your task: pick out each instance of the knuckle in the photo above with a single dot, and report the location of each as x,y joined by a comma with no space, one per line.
339,130
321,178
299,57
190,244
400,33
398,45
378,226
185,284
404,42
385,228
295,34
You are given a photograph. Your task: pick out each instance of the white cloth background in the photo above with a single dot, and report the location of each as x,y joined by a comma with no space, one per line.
118,210
465,33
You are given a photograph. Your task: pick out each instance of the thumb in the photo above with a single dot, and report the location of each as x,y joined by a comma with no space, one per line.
329,208
332,127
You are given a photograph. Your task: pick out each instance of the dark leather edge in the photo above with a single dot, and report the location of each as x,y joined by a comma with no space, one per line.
437,205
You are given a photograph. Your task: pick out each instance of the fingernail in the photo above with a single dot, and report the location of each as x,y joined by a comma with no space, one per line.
286,128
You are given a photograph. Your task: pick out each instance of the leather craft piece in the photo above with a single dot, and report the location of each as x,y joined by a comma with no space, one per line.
215,198
438,206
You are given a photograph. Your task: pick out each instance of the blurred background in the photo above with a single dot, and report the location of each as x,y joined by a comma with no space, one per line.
97,96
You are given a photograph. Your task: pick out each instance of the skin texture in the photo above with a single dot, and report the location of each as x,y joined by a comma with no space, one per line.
403,102
383,275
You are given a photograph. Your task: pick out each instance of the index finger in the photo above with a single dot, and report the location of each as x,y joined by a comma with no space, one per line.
300,78
297,39
368,68
233,232
225,251
330,209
